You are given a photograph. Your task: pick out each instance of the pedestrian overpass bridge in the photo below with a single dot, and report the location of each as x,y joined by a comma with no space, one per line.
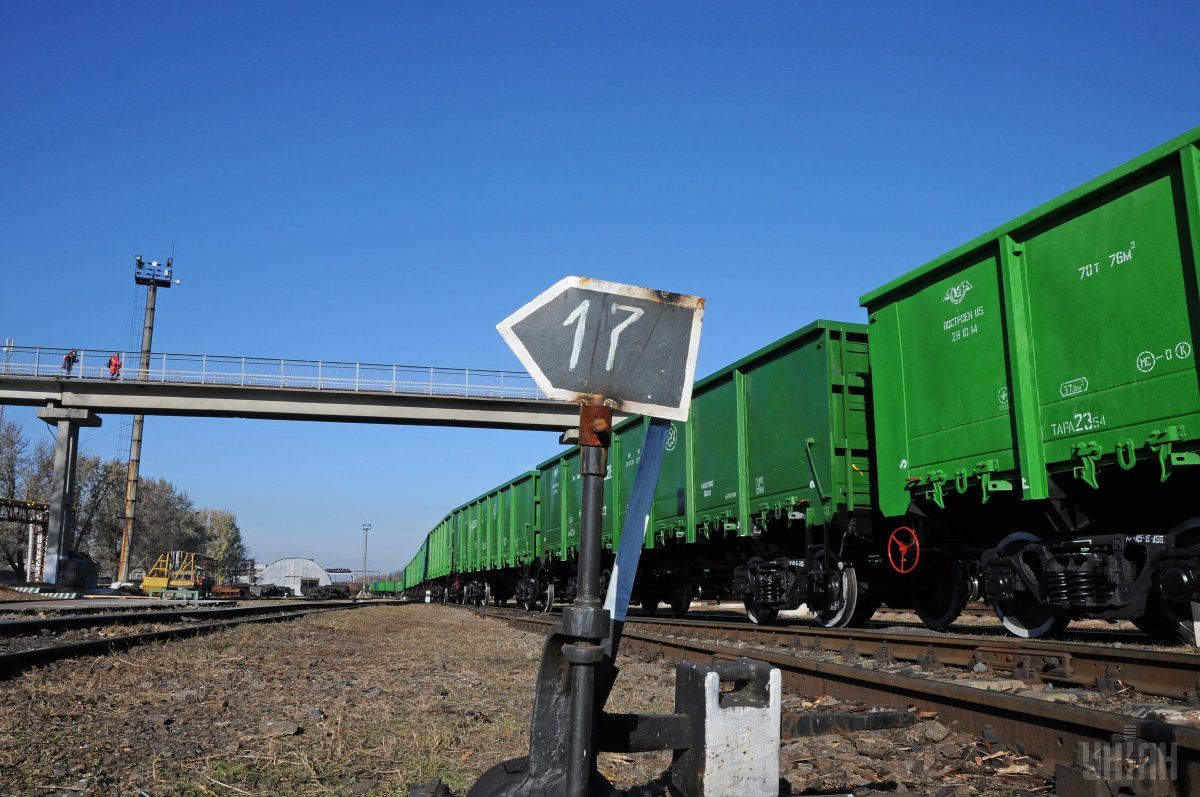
217,386
221,386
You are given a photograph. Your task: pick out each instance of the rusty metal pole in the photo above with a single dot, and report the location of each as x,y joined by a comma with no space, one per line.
135,443
586,620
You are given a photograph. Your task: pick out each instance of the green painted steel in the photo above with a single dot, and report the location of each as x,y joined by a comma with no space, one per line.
493,531
458,528
781,431
563,488
551,478
415,571
731,464
522,505
1060,343
500,522
624,457
572,502
439,560
670,513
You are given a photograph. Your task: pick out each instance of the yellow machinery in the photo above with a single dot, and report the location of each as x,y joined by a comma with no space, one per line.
179,574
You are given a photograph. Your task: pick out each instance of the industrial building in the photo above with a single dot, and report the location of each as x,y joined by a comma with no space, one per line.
295,573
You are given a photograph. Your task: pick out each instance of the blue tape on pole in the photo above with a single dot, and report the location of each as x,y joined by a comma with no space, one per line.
633,531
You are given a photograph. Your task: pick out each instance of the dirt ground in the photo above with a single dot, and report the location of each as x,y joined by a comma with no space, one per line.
368,701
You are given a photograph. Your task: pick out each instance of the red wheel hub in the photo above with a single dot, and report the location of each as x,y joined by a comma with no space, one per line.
903,550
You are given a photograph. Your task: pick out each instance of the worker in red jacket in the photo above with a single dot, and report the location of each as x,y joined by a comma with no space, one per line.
114,366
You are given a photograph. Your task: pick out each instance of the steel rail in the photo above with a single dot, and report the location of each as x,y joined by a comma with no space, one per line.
34,625
14,662
1151,672
1060,734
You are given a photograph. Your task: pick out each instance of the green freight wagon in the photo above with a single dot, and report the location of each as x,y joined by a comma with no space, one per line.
521,505
511,513
415,571
559,491
498,528
439,551
625,454
760,492
768,483
487,544
1036,411
556,530
553,479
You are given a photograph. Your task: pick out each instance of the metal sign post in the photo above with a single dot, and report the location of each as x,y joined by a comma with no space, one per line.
586,620
607,346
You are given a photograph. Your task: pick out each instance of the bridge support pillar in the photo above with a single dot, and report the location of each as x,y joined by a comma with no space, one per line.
62,491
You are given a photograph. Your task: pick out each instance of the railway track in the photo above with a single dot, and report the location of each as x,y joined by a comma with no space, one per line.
93,619
1064,736
1071,664
1102,666
192,622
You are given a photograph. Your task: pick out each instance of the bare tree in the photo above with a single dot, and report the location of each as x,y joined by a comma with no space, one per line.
167,519
14,474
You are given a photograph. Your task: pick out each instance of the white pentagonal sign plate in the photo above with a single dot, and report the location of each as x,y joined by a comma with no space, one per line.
591,340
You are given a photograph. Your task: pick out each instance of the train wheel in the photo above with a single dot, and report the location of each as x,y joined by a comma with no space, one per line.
605,577
943,594
1025,617
1023,614
867,606
1158,623
681,599
1169,620
759,614
548,598
650,605
843,597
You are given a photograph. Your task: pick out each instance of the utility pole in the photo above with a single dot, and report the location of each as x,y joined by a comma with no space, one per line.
366,530
155,276
8,350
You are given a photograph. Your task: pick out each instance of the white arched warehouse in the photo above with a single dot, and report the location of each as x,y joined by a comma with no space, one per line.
295,573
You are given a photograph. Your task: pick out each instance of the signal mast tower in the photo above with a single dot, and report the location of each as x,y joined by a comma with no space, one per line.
364,589
154,275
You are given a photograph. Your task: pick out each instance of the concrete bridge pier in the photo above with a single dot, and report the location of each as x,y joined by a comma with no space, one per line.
62,491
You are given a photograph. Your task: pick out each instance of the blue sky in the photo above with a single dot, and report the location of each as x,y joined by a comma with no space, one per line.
385,181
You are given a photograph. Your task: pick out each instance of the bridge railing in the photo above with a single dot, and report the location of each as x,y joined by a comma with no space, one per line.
44,362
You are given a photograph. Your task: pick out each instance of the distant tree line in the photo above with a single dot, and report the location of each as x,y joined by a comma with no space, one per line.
167,520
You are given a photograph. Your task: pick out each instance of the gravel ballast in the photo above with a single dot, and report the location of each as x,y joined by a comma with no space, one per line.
369,701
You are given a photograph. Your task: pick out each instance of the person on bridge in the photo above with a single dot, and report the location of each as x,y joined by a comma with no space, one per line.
69,360
114,366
